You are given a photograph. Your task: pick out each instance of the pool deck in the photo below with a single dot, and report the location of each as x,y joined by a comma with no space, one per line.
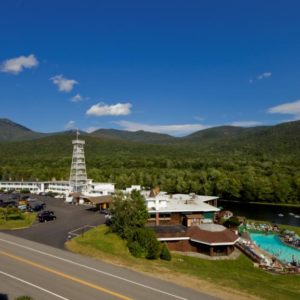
264,259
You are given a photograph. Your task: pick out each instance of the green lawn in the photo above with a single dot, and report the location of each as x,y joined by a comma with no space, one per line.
237,274
26,221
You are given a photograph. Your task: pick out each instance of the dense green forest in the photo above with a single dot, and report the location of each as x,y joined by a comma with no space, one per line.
261,164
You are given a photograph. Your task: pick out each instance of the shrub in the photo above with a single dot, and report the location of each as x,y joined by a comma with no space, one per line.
153,249
145,238
135,248
15,217
165,253
24,298
232,222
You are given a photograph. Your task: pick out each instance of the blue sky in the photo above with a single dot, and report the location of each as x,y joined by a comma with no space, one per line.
162,65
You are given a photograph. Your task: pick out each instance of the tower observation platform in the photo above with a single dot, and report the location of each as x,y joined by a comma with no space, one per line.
78,176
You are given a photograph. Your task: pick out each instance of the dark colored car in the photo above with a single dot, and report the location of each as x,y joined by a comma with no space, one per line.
46,216
36,205
6,203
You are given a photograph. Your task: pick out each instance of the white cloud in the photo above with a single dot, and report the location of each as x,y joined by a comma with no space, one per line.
64,84
77,98
261,76
177,130
246,123
290,108
18,64
70,125
264,75
198,118
101,109
91,129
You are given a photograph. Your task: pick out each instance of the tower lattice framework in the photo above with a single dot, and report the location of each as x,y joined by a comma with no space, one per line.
78,176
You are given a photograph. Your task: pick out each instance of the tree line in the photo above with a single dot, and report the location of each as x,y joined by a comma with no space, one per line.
230,173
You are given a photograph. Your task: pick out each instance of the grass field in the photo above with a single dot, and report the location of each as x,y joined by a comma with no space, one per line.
26,221
224,275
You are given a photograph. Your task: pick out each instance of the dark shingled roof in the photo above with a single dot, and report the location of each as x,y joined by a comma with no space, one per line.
212,237
196,234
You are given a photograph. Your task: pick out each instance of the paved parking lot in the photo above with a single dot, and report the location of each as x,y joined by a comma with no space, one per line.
69,218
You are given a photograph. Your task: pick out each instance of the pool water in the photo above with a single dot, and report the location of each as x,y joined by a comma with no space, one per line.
272,244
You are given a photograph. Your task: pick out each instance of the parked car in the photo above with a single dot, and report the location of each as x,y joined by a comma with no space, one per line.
34,202
22,207
35,206
46,216
6,203
15,197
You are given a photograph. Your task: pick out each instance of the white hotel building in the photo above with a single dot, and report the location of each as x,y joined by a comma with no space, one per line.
59,187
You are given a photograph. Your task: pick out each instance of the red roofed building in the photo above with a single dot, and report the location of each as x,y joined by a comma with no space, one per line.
210,239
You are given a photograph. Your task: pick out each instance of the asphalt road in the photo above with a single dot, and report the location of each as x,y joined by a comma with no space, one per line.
44,272
69,218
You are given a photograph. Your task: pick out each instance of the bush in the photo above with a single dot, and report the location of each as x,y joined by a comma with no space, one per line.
232,222
165,253
24,298
153,249
147,242
135,248
15,217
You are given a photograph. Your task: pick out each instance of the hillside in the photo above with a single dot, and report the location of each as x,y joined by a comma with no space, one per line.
278,140
10,131
223,133
136,136
282,138
255,164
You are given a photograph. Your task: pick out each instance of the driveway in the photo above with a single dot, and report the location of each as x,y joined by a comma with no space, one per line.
69,218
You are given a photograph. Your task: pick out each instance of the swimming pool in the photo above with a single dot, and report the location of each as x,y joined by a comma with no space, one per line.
272,244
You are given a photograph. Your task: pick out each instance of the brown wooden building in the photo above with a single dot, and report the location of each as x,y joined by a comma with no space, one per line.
209,239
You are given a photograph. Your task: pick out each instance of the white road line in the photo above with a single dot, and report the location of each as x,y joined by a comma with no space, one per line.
33,285
93,269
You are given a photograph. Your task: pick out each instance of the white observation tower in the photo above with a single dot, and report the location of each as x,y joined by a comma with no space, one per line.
78,176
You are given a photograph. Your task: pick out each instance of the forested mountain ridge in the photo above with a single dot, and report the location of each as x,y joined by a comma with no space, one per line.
134,136
252,164
222,132
10,131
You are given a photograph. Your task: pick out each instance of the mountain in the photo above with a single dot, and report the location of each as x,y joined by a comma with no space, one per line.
282,139
10,131
136,136
222,132
249,164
